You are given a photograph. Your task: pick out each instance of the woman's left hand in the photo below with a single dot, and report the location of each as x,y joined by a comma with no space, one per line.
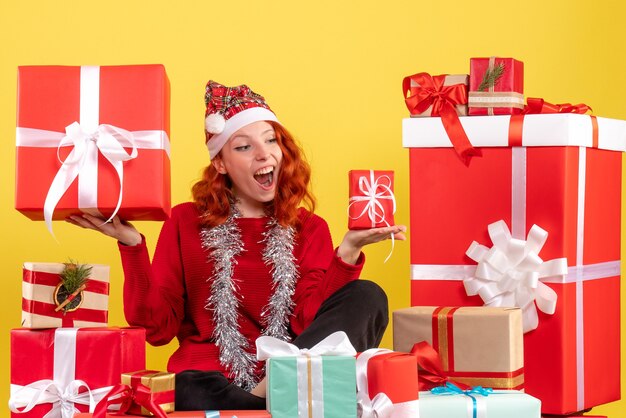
354,240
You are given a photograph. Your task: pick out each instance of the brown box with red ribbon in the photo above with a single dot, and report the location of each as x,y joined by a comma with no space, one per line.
562,173
41,301
160,386
93,139
477,346
420,87
372,201
496,86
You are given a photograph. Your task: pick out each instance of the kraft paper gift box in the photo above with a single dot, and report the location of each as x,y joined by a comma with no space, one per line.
319,382
161,385
505,96
109,125
372,202
454,86
387,384
60,368
199,414
39,284
478,346
447,403
561,172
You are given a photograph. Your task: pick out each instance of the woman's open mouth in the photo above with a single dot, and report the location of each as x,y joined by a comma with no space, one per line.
265,176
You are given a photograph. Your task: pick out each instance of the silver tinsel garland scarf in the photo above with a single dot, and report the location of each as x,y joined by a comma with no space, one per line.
224,244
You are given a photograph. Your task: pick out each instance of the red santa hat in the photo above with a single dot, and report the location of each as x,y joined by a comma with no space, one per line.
228,109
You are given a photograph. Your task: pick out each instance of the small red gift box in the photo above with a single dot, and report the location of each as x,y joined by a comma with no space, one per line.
372,202
387,383
496,86
71,364
560,172
84,131
39,286
200,414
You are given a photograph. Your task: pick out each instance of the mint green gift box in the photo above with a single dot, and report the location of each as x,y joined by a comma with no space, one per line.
315,383
498,404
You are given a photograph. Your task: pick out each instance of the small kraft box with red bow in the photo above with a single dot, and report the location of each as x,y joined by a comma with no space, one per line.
496,86
93,139
547,193
476,346
44,294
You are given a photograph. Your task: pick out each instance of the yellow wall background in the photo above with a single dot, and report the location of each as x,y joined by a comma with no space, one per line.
331,70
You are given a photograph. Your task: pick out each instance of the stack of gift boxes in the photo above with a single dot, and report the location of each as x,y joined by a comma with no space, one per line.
515,207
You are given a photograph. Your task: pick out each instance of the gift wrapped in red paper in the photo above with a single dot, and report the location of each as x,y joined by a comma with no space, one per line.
199,414
93,139
40,287
496,86
562,173
372,202
387,384
65,370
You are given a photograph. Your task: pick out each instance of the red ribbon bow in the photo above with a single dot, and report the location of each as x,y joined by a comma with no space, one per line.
126,396
535,105
431,91
431,373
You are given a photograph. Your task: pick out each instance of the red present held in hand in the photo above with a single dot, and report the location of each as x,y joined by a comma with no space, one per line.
372,202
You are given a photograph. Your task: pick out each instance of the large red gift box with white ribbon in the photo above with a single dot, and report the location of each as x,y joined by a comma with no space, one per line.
83,131
66,370
561,172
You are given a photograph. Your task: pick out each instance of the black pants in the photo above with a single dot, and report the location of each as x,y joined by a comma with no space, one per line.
359,309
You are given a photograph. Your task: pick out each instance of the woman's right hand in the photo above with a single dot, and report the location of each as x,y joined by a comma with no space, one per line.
122,231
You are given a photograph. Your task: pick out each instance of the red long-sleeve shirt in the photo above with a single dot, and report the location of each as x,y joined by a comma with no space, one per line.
168,297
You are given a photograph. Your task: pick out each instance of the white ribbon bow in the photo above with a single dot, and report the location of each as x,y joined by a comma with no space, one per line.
510,273
369,193
82,161
50,391
378,407
336,344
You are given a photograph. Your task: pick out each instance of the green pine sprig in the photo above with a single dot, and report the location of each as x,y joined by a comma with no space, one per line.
491,77
74,275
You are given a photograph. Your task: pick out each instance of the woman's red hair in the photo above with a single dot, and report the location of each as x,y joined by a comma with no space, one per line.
213,193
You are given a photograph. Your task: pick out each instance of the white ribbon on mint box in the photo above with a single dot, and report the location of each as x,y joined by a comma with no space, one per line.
380,406
88,138
336,344
63,391
575,274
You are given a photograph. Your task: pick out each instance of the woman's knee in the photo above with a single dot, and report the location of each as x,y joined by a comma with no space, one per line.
368,292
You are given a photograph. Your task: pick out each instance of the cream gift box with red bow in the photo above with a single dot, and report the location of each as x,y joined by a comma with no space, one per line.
560,172
93,139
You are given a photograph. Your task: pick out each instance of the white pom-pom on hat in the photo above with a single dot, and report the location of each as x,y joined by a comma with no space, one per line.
214,123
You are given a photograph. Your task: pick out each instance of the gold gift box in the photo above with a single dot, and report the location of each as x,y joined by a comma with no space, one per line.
159,383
